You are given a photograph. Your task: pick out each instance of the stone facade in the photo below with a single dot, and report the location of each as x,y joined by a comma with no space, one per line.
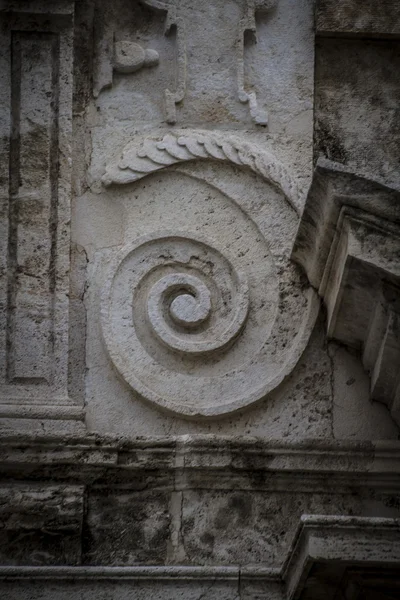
200,306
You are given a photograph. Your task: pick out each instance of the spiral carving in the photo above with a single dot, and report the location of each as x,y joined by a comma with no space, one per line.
208,315
179,309
187,298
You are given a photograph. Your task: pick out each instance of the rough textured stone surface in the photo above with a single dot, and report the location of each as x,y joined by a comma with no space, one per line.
356,110
199,325
41,524
250,527
126,527
348,242
227,509
358,17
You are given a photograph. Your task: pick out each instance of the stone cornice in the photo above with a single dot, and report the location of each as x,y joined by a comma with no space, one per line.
343,541
348,243
184,463
351,18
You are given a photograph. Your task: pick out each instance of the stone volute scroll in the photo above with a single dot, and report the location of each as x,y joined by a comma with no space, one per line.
202,311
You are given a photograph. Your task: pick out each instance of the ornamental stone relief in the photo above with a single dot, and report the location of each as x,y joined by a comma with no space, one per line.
134,248
190,26
193,303
172,424
202,312
199,36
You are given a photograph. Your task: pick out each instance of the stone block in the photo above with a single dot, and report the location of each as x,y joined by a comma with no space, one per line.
249,527
40,524
126,527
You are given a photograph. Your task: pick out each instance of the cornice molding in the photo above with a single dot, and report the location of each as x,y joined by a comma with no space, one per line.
218,463
348,242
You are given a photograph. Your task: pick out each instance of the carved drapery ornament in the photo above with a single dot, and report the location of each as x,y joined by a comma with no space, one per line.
182,21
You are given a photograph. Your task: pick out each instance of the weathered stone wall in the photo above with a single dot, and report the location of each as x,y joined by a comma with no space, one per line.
200,315
356,108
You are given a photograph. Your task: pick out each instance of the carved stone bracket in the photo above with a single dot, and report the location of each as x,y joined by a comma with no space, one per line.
349,244
332,553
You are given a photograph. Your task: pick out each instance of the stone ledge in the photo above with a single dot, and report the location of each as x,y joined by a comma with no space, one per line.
170,573
53,7
220,463
342,543
163,583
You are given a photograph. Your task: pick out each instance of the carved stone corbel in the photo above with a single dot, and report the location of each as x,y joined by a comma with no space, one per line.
349,245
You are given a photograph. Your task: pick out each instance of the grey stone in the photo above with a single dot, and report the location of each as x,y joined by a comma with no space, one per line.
358,17
41,524
199,310
356,107
126,527
348,243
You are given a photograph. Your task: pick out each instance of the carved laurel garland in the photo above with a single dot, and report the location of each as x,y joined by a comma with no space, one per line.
141,158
